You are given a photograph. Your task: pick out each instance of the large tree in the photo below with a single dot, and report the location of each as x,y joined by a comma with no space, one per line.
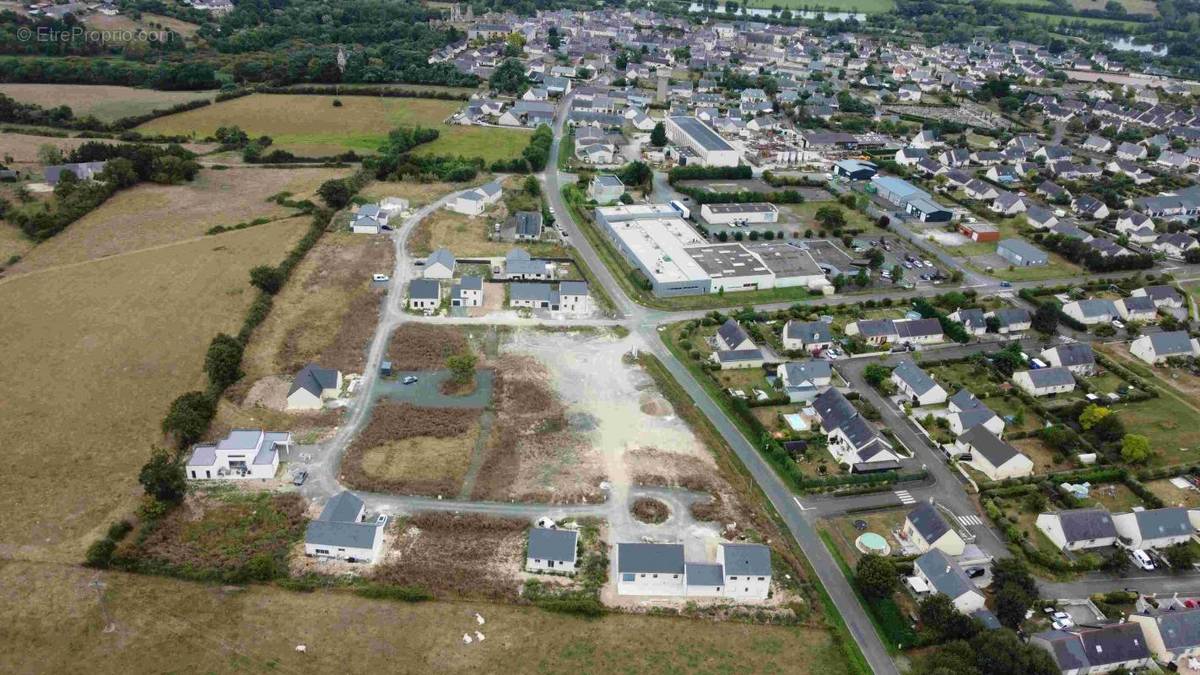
1045,319
509,78
943,621
163,477
658,137
223,362
876,576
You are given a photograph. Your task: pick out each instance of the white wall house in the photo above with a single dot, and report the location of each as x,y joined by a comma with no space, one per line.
313,386
244,453
1158,347
944,576
424,294
467,292
747,570
440,265
340,533
475,202
1155,528
650,569
926,529
741,571
552,550
807,335
1085,651
915,384
1045,381
575,298
994,457
1173,636
1078,529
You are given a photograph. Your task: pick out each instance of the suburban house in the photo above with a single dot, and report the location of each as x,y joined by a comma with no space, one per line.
802,380
900,331
440,265
1137,308
82,171
994,457
424,294
467,292
574,297
742,571
1045,381
1175,245
1158,347
519,265
1164,297
1091,312
339,532
731,336
606,189
811,336
527,225
1173,636
917,385
1079,651
369,219
851,438
474,202
1021,253
1077,356
926,529
551,550
1078,529
968,412
972,318
1012,319
943,575
532,296
244,453
312,386
1154,528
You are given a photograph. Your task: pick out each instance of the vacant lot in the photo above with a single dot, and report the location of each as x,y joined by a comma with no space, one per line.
416,346
452,554
106,103
312,125
257,629
149,215
1175,496
418,194
468,236
326,315
97,352
411,450
222,536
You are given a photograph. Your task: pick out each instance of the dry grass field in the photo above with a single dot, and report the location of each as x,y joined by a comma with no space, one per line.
417,346
410,450
107,103
326,315
12,242
23,148
149,215
418,194
212,629
468,236
311,125
94,355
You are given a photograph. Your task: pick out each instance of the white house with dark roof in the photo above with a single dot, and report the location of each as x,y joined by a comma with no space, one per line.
741,571
1045,381
474,202
424,294
803,380
943,575
313,386
994,457
519,265
1173,636
552,550
747,570
1164,297
1092,312
574,297
1137,308
1155,528
916,384
244,453
731,336
440,265
1078,529
1076,356
968,412
1158,347
812,336
340,533
467,292
1081,651
650,569
973,320
1011,319
850,438
926,529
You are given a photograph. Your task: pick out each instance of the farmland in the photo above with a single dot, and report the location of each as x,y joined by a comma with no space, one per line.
149,215
111,344
215,630
312,125
106,103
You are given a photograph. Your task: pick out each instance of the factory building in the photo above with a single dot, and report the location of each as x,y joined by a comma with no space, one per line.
707,146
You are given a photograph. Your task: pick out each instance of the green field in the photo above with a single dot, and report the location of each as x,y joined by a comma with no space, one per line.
864,6
1056,19
311,125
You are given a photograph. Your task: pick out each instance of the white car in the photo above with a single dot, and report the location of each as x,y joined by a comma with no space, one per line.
1141,559
380,277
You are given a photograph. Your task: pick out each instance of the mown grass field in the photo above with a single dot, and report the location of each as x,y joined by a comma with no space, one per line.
106,102
149,215
210,629
312,125
94,355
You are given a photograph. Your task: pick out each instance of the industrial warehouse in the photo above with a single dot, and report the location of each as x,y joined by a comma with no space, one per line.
700,143
678,261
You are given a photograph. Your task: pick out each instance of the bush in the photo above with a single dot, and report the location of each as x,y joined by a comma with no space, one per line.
189,417
402,593
99,554
268,279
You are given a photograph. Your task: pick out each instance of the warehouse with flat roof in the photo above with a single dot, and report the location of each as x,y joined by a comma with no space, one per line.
748,212
709,148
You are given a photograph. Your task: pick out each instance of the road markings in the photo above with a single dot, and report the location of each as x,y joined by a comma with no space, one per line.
970,520
797,500
905,498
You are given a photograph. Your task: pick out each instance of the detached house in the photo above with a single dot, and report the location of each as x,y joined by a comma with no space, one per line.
244,453
1078,529
340,533
967,412
474,202
851,439
1137,308
1012,319
917,385
802,380
1079,651
995,458
812,336
1045,381
731,337
1158,347
440,265
1092,312
1173,636
467,292
926,529
943,575
551,550
312,386
424,294
1154,528
1076,356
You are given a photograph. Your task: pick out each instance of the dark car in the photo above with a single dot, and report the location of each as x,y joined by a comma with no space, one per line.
975,572
299,478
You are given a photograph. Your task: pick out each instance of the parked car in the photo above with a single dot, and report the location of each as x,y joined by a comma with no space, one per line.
299,478
975,572
409,379
1142,560
380,277
1005,284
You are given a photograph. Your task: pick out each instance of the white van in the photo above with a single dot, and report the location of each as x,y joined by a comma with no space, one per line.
380,277
1141,559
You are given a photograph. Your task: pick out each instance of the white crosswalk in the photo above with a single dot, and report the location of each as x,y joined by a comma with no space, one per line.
905,498
970,520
